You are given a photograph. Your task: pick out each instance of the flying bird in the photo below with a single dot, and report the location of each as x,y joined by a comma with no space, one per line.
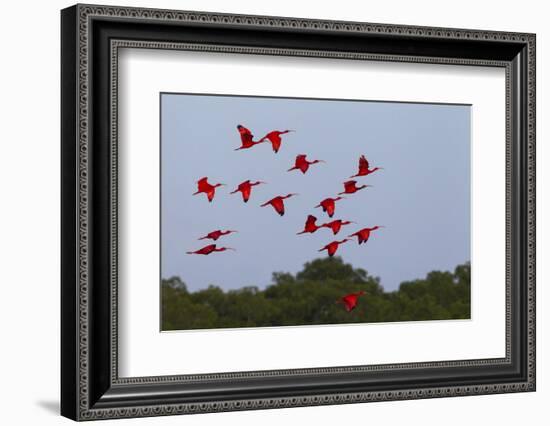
310,226
350,300
278,203
245,188
336,225
209,249
302,164
214,235
246,138
275,138
350,187
364,168
328,205
208,189
332,247
364,234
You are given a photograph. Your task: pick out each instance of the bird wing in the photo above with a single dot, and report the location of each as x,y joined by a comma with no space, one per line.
310,222
303,166
300,158
350,184
243,185
363,235
214,235
206,249
274,138
350,300
329,208
211,194
246,135
278,205
202,181
246,192
363,163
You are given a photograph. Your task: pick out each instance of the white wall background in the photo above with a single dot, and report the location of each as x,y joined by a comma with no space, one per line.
29,217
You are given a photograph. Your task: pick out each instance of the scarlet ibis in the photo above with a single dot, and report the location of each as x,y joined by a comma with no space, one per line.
350,300
245,188
350,187
275,138
310,226
278,203
364,234
214,235
302,164
208,189
364,168
328,205
246,138
336,225
209,249
333,246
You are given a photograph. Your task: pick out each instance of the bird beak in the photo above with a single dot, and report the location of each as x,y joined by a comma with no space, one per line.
230,248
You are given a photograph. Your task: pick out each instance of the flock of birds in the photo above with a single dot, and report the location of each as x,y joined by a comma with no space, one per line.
328,205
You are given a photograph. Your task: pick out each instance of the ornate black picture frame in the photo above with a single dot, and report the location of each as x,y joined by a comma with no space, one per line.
91,387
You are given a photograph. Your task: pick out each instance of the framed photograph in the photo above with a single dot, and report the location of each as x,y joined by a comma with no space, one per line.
263,212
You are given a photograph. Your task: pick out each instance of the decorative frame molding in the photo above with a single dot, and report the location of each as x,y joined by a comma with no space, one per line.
91,388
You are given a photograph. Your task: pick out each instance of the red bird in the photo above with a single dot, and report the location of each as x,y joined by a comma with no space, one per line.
214,235
209,249
336,225
351,188
302,164
350,300
208,189
328,205
310,226
364,234
364,168
246,138
332,247
245,188
275,138
278,203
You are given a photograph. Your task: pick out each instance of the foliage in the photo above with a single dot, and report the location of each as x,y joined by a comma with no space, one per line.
310,297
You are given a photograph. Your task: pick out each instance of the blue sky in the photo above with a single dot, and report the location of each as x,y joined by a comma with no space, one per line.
422,196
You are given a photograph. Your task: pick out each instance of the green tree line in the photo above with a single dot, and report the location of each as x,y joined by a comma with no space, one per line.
310,297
